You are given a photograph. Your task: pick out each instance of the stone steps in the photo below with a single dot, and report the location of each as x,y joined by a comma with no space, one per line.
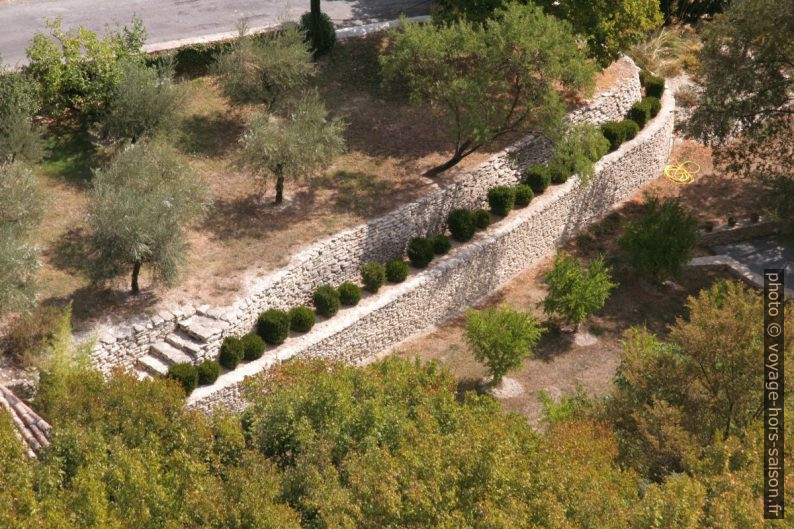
177,348
202,329
181,340
152,366
168,354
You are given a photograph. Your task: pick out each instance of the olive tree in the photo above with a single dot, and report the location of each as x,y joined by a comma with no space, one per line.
577,291
293,146
488,80
140,207
20,137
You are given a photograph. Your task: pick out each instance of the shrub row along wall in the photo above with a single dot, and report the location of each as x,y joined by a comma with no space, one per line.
340,257
472,271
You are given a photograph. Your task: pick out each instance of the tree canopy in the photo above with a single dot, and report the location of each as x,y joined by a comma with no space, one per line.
20,137
577,291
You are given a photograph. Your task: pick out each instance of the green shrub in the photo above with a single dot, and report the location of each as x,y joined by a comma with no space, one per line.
231,352
559,173
373,275
441,244
654,86
397,270
630,128
461,224
576,291
420,252
640,112
208,372
524,195
349,294
616,132
186,374
273,326
501,199
319,30
538,178
326,301
655,105
301,319
253,346
482,218
581,145
20,137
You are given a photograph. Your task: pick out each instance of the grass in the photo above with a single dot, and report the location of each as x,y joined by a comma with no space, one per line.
669,51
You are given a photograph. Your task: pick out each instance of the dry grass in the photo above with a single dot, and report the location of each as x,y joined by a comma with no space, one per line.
669,51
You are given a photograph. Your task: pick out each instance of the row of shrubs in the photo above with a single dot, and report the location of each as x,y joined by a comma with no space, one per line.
641,112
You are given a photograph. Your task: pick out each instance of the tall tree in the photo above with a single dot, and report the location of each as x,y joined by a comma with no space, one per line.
20,137
140,207
488,80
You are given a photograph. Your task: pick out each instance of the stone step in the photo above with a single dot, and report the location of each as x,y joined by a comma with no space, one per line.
202,328
152,365
142,375
169,354
181,340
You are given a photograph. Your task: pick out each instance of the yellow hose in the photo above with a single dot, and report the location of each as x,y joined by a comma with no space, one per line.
682,173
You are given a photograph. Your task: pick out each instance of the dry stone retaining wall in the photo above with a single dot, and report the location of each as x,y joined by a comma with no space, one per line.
471,271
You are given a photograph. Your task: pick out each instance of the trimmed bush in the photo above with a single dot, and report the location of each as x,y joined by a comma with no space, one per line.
538,178
253,346
273,326
320,32
501,199
349,294
186,374
373,275
397,270
441,244
208,372
301,319
655,105
616,132
559,173
231,352
420,252
640,112
326,301
654,86
482,218
630,128
524,195
461,224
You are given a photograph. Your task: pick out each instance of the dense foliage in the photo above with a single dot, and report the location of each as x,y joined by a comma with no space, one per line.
397,271
524,195
577,291
501,200
482,218
253,346
617,132
208,372
273,326
420,251
538,178
20,137
326,301
231,353
349,294
373,275
186,374
441,244
318,28
461,224
301,319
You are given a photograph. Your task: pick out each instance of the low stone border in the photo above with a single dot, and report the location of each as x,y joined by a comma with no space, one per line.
739,268
743,230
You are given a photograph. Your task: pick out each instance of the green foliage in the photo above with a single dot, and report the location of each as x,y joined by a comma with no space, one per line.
524,195
27,335
482,218
576,292
501,338
538,178
420,251
139,208
617,132
640,112
231,353
580,146
654,86
21,211
349,293
301,319
452,11
319,30
373,275
501,199
326,301
143,102
253,346
487,80
559,172
273,326
265,69
441,244
20,137
208,372
661,241
78,71
397,271
186,374
567,408
461,224
691,10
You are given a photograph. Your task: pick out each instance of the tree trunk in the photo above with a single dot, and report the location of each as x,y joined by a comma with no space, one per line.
315,8
136,270
279,188
462,151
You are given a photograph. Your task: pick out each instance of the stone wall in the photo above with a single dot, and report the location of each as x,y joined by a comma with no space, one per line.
471,271
743,230
340,257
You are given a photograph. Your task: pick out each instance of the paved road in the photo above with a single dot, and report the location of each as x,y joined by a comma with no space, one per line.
766,252
168,20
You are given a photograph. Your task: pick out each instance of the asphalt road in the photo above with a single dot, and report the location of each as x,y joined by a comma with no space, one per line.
168,20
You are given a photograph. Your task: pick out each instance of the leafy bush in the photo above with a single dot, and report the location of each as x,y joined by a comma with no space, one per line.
232,352
20,137
538,178
482,218
501,199
559,173
524,195
655,105
373,275
661,241
420,252
273,326
576,292
326,301
441,244
28,335
617,132
654,86
349,294
186,374
644,110
319,31
397,270
301,319
581,145
208,372
461,224
253,346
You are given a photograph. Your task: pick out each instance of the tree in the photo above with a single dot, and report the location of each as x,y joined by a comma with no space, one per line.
488,80
501,338
746,108
661,241
21,211
20,137
143,102
292,147
140,207
318,28
265,68
576,292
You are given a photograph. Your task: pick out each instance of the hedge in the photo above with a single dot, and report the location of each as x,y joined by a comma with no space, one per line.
654,86
253,346
644,110
373,275
320,32
441,244
273,326
420,252
208,372
186,374
524,195
397,270
301,319
231,352
616,132
538,178
461,224
482,218
349,294
326,301
559,173
501,199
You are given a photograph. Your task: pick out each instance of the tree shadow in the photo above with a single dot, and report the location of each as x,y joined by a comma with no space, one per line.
71,153
357,192
209,135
